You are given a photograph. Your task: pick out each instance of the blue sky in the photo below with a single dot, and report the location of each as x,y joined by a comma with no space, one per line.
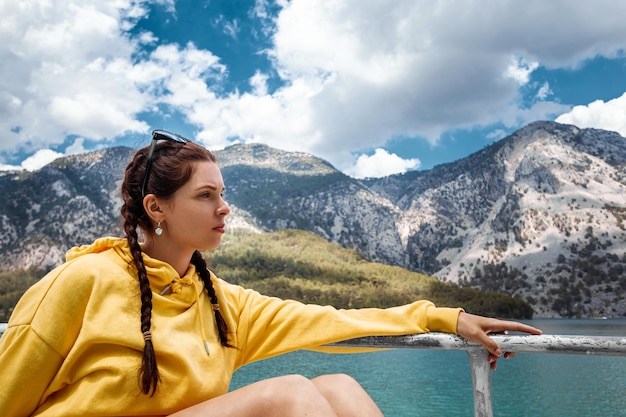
374,87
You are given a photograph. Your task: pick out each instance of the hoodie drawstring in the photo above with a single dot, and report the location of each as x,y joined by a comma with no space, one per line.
176,287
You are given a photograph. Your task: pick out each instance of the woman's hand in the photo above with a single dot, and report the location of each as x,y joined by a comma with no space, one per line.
476,329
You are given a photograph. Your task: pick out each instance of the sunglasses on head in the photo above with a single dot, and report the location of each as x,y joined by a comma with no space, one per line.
158,135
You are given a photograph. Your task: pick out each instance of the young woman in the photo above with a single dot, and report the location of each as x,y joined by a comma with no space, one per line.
125,328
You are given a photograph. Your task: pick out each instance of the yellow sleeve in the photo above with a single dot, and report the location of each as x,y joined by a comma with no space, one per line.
28,366
269,326
42,329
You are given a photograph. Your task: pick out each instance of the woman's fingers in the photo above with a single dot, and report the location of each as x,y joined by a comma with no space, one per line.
504,326
477,329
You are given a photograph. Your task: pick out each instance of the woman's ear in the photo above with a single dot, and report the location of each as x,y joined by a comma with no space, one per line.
153,208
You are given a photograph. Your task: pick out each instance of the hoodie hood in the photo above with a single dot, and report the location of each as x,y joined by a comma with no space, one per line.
164,280
99,245
160,273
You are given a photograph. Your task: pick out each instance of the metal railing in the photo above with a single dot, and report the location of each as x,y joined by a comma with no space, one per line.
480,368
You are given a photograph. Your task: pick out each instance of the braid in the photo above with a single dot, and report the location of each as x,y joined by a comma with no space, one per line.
201,267
171,169
149,372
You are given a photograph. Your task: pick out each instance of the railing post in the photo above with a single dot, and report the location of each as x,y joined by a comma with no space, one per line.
481,380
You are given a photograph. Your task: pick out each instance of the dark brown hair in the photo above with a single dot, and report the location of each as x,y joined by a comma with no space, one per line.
171,169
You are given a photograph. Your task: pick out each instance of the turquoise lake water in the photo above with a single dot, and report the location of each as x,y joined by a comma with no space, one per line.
407,383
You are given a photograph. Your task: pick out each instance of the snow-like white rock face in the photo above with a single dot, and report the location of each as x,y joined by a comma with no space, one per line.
540,214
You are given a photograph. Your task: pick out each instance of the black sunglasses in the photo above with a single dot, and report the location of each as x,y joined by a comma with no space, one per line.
158,135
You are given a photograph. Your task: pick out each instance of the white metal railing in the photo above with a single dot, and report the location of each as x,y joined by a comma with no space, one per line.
480,368
481,371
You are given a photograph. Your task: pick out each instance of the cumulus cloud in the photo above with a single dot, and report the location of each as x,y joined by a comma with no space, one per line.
351,73
426,67
381,164
41,158
607,115
67,72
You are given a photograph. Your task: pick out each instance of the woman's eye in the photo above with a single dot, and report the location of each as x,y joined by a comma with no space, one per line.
211,195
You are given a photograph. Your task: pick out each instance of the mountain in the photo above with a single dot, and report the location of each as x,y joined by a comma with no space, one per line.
539,214
68,202
294,190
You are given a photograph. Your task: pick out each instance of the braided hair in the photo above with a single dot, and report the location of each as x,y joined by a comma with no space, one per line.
171,168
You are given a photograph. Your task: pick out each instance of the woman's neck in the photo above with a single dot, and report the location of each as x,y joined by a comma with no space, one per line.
159,249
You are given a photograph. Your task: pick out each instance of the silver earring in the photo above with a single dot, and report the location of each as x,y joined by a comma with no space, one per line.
158,230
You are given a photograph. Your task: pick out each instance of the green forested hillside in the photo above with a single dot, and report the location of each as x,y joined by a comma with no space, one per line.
302,266
12,285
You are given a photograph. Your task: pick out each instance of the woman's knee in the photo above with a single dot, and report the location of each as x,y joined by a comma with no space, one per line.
297,392
346,396
337,383
289,395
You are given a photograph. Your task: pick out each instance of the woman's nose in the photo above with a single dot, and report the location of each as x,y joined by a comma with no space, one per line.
224,209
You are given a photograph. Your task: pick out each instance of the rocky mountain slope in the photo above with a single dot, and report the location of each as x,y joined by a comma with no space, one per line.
539,214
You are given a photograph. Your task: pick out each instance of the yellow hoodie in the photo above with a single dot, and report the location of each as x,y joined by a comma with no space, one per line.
73,344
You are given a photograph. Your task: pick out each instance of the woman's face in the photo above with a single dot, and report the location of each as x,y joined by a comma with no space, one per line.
194,216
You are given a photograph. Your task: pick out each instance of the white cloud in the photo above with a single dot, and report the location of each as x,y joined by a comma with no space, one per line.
544,91
67,73
496,134
41,158
76,147
354,72
520,70
381,164
608,115
424,67
259,83
232,28
5,167
44,156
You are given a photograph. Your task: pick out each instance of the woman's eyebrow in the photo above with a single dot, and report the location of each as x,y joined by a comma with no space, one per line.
211,187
